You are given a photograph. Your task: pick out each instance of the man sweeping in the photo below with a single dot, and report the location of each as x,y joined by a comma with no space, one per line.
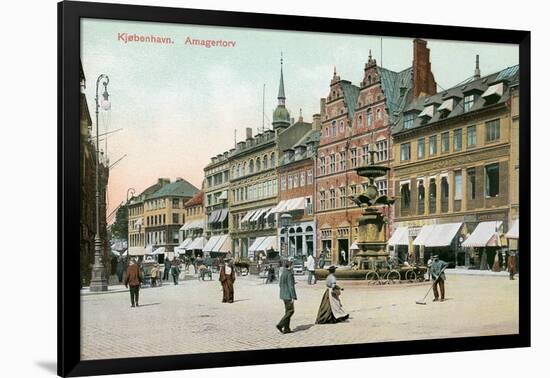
438,275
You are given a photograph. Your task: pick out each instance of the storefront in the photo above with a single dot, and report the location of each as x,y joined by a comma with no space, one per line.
485,246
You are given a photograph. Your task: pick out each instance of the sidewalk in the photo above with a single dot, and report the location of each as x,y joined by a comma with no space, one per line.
477,272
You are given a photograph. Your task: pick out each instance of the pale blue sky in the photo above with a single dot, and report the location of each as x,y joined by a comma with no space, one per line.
179,104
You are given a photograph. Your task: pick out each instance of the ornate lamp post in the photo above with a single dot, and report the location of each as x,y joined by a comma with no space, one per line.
99,278
285,222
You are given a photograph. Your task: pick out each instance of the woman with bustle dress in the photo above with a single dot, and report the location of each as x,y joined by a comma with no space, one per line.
331,310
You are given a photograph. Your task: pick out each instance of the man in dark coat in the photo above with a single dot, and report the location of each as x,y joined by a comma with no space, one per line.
175,271
167,266
438,275
512,264
134,280
227,277
287,293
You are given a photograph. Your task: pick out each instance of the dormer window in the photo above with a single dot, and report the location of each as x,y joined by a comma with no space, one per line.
446,106
469,102
408,121
493,93
428,112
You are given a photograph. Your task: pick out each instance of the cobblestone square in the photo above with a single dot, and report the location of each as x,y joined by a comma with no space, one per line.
190,318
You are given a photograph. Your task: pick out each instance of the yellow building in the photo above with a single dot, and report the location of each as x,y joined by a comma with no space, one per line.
455,173
192,231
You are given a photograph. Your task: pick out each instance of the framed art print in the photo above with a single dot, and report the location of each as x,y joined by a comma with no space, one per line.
241,188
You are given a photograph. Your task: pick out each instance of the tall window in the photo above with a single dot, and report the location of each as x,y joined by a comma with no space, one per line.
343,160
258,165
332,198
322,200
333,129
382,186
290,182
365,154
354,157
420,148
322,167
265,161
273,160
492,180
457,139
175,218
382,147
296,182
458,185
444,195
405,196
405,151
302,178
433,195
332,166
251,166
433,145
342,196
492,130
369,117
445,142
471,131
310,176
283,183
408,120
421,196
471,172
468,102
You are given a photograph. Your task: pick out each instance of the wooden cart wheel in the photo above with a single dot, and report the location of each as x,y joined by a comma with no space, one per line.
393,276
372,277
410,276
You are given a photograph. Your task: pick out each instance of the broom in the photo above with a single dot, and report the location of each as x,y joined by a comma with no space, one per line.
423,301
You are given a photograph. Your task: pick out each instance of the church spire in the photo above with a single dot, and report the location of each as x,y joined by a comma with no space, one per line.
281,97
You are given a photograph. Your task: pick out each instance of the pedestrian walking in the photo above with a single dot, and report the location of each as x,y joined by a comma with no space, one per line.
120,269
270,274
155,273
175,271
167,266
512,264
227,278
330,309
322,260
438,275
134,280
310,265
287,292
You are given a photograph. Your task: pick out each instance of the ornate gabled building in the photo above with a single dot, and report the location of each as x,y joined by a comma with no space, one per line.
356,120
456,171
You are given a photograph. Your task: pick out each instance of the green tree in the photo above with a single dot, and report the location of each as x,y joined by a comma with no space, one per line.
119,229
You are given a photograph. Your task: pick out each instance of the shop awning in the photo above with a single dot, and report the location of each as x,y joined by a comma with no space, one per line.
214,216
209,246
424,234
248,215
268,243
258,214
513,232
137,251
223,215
223,196
256,244
400,236
193,224
354,247
159,251
185,243
483,235
223,244
442,235
198,243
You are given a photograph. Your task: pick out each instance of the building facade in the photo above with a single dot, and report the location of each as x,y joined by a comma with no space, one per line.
357,120
88,212
456,170
216,195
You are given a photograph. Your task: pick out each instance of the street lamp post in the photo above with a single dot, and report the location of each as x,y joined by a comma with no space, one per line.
99,280
285,222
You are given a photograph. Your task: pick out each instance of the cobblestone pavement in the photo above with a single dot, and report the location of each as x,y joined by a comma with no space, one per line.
190,318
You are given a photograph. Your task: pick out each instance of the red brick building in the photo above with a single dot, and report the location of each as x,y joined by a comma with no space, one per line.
355,120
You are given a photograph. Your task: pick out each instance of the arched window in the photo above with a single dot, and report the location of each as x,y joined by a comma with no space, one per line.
265,161
378,114
433,195
444,194
405,196
251,166
258,165
369,80
369,117
273,160
309,229
421,196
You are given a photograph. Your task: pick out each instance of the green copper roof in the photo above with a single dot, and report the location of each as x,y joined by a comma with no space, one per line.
351,93
392,82
180,188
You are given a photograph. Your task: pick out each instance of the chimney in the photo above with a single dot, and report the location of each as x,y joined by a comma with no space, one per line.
316,122
477,72
163,181
423,78
249,133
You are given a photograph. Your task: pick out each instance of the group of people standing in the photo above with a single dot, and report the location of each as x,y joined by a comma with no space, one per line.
330,310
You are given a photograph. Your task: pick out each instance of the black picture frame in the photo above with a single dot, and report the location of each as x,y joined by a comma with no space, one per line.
69,15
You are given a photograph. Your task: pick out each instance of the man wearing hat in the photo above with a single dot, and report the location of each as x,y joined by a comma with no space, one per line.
287,293
438,274
134,280
227,277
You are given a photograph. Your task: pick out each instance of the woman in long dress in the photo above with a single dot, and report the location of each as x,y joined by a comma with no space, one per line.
331,310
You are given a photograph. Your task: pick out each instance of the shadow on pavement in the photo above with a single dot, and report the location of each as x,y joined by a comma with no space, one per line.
304,327
149,304
241,300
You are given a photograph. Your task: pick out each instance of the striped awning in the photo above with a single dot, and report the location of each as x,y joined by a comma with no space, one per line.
400,236
484,235
513,233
